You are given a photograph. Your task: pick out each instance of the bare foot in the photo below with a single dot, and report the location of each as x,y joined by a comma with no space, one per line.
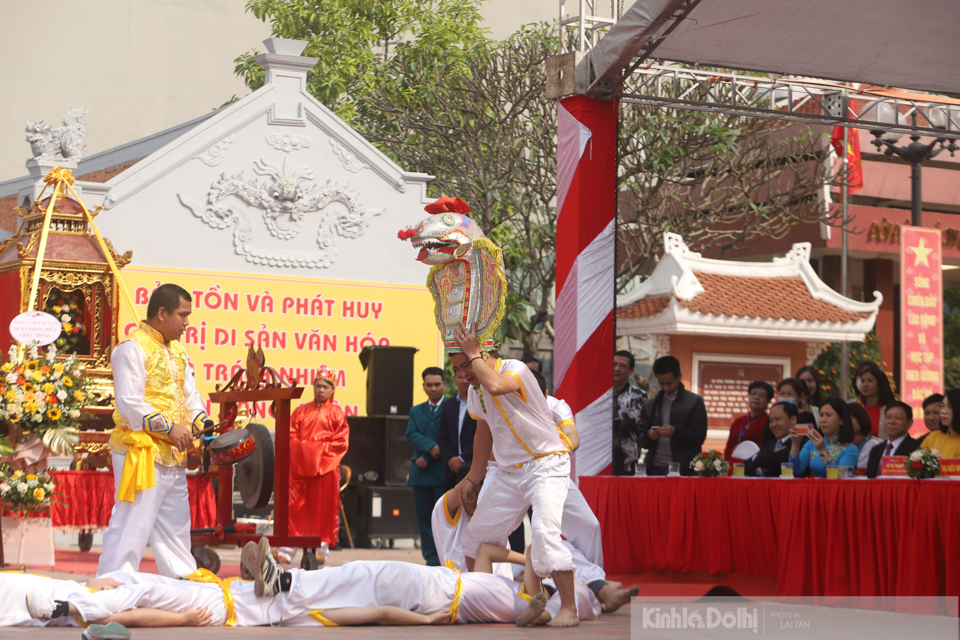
565,618
617,598
439,618
534,608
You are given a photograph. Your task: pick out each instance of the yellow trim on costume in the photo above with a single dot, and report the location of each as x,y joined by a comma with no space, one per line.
455,519
565,422
473,416
138,473
455,606
317,614
522,394
536,456
523,594
564,437
207,576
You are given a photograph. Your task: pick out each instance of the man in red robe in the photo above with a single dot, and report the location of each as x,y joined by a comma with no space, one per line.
318,441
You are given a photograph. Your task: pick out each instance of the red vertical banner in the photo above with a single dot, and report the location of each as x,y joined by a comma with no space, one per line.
921,319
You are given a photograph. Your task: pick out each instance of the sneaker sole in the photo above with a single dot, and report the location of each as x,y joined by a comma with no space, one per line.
110,631
263,548
32,608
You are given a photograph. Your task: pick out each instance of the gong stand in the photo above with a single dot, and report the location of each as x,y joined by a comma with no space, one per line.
228,399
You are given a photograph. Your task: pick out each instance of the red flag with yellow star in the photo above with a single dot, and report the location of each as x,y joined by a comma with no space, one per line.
855,177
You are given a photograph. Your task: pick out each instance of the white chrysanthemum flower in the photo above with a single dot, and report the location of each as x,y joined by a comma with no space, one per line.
935,452
32,483
38,417
56,375
74,413
718,464
64,318
22,487
698,465
48,487
76,373
4,487
61,395
12,378
915,456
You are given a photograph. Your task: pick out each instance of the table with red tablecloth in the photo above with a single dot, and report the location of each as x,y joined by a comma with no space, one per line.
817,537
84,500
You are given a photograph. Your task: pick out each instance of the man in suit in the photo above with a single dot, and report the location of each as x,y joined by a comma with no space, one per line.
455,432
776,451
898,418
678,422
426,472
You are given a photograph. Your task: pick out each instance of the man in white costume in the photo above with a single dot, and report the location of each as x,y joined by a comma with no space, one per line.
157,403
514,422
579,525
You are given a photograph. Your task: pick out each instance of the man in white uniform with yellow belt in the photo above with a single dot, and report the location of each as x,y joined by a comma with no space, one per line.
157,402
513,420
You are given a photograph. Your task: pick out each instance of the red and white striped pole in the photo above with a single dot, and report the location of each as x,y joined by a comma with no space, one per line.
585,272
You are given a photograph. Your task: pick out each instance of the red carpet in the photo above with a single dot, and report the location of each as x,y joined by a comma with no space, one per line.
698,584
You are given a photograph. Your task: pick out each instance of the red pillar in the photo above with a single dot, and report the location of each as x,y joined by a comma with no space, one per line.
878,276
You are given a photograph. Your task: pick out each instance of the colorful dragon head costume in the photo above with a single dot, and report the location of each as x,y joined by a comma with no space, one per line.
467,279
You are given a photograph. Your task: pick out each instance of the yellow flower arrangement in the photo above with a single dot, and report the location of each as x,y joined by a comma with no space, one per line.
67,327
31,476
48,388
39,494
32,365
30,407
54,414
7,367
17,473
58,367
78,396
67,382
27,387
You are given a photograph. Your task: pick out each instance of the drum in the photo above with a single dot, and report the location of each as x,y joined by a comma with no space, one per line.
232,447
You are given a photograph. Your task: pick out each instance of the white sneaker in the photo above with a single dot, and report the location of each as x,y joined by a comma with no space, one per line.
268,579
110,631
40,608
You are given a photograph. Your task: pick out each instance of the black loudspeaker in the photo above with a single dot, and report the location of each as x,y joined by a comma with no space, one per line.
379,453
380,512
389,379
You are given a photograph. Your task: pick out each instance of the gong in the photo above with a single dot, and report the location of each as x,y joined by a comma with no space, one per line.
255,473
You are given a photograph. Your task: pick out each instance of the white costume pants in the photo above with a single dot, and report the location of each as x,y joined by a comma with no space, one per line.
159,516
540,483
581,527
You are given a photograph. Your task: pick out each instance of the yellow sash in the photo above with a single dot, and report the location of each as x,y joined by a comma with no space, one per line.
205,575
455,606
317,614
138,473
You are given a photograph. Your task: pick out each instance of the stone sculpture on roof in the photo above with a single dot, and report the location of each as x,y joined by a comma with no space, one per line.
66,141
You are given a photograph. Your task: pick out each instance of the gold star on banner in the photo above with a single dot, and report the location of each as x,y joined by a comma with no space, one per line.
922,254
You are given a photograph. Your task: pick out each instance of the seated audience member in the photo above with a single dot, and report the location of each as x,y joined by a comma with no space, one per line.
897,423
947,441
532,363
751,427
678,422
832,444
874,393
862,427
776,451
931,414
796,391
809,376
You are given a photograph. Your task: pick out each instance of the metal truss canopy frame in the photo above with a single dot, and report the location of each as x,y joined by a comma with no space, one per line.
799,100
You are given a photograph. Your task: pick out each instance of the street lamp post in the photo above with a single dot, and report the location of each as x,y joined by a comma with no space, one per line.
915,153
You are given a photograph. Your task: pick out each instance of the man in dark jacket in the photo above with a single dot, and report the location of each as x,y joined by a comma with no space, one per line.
776,451
426,472
897,421
455,431
678,421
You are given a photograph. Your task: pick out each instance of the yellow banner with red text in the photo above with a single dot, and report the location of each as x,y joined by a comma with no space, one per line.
302,324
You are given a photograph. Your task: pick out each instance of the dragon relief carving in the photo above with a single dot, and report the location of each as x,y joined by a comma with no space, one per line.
285,199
